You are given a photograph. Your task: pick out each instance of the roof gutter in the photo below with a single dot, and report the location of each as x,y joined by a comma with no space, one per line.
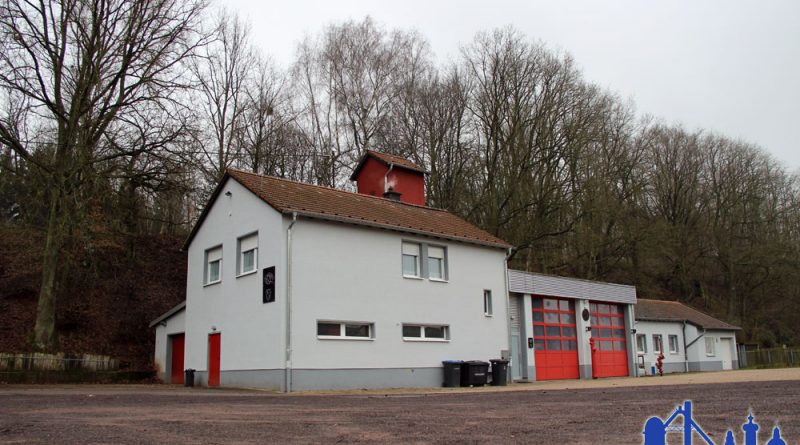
377,225
288,365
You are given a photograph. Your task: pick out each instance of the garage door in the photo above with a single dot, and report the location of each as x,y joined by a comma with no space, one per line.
555,343
176,360
609,354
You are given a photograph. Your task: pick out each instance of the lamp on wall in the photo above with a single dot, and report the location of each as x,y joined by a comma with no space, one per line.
633,331
213,328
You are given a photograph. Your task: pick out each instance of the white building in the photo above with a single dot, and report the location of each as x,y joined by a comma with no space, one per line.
293,286
689,339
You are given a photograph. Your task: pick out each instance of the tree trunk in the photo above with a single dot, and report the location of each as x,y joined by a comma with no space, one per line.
45,329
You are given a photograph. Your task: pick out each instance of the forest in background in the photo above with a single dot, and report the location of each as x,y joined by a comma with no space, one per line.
117,119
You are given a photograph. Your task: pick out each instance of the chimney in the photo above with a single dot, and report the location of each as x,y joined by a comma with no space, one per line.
391,177
391,194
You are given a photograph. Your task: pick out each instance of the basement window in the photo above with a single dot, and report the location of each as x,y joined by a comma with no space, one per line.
673,344
345,330
213,266
248,254
421,332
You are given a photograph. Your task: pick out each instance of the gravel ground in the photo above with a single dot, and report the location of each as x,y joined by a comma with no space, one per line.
593,412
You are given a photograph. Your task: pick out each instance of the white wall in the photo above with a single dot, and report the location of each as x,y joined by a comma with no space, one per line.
673,362
349,273
695,354
176,324
252,332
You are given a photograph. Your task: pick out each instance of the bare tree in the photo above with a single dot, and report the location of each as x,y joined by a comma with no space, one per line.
79,66
222,74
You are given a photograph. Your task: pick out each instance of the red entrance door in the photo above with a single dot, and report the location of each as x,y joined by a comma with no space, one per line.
609,352
213,359
178,343
555,341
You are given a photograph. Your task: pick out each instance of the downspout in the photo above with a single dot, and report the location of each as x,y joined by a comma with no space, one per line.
509,252
686,347
288,365
685,350
386,177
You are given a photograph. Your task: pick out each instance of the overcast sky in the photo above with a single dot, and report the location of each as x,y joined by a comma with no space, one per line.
730,66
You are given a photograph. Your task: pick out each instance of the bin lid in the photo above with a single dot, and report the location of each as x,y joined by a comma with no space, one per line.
499,360
476,362
458,362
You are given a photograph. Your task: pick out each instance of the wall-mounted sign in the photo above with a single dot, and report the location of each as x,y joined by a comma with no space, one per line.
268,288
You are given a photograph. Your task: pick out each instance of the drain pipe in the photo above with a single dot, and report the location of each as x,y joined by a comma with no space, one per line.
685,350
386,178
509,252
288,365
687,346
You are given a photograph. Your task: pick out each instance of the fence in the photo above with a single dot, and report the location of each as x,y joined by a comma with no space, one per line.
769,358
57,362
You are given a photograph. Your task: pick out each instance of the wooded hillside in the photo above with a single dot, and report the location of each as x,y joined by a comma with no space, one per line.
106,139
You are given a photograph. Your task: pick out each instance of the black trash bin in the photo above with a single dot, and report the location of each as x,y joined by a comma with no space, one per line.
188,377
474,373
499,372
452,373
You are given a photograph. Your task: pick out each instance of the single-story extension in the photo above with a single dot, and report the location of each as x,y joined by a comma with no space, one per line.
689,339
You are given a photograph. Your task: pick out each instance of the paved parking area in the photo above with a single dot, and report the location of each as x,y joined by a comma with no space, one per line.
582,412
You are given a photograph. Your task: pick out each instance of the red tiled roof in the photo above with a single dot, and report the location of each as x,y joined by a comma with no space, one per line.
330,204
658,310
386,159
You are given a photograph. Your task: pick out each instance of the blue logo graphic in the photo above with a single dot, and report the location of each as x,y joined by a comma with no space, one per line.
655,429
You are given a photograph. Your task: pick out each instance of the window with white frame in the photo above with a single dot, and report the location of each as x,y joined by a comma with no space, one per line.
487,303
213,265
673,344
658,343
422,332
710,349
248,254
345,330
411,260
641,343
436,263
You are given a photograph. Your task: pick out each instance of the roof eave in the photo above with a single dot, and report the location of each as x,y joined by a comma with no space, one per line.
205,211
363,161
374,224
166,315
682,320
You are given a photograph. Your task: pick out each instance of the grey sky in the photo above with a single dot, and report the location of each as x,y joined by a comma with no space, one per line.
728,66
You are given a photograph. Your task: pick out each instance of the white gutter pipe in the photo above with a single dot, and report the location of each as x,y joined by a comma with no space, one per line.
386,177
288,364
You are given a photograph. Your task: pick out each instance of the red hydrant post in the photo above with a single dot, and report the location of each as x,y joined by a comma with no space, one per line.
660,363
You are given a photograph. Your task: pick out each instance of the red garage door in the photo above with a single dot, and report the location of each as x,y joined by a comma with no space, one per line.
609,352
555,343
176,361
